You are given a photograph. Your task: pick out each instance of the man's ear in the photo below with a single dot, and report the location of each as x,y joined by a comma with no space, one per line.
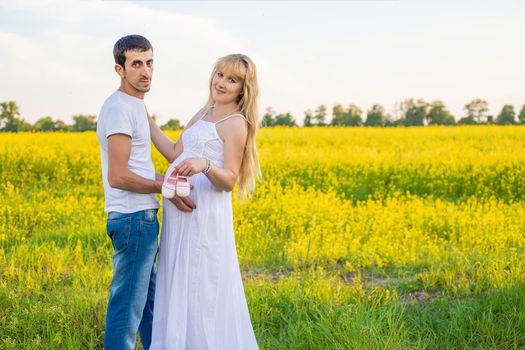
120,70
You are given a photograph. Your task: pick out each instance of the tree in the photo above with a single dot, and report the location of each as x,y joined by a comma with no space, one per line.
506,116
24,126
61,126
375,116
396,116
414,112
349,117
477,110
353,116
44,124
268,118
521,116
9,114
285,119
84,123
439,115
172,124
338,114
308,118
467,121
320,115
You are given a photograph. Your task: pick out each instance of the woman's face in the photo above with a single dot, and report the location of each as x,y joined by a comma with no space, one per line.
225,87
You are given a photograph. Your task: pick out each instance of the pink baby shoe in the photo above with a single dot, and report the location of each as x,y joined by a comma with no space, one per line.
175,184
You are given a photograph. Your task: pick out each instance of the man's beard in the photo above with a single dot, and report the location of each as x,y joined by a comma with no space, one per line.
138,87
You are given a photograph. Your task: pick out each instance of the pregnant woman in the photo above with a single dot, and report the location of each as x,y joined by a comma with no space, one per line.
199,298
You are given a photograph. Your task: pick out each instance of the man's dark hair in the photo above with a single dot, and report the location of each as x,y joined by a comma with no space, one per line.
133,42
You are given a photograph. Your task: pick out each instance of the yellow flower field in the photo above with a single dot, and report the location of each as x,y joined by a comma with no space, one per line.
356,238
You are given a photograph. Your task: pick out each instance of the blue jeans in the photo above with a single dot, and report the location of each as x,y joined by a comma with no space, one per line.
130,306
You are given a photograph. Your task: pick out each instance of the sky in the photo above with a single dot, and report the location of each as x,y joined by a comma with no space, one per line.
56,56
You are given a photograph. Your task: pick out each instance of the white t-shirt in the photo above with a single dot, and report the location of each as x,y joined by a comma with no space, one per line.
125,114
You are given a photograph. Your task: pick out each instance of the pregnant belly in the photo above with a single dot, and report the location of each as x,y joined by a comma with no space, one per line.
198,181
176,162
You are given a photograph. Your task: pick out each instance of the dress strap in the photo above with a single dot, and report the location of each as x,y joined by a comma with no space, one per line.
231,116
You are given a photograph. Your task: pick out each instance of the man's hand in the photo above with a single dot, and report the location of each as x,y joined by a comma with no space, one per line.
183,203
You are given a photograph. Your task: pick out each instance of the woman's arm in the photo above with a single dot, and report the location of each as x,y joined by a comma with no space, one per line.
169,149
234,132
162,142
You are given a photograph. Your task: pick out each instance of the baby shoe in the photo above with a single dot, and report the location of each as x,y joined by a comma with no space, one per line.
183,186
168,187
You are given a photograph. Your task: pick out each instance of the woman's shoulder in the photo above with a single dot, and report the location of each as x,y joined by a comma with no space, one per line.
234,117
240,115
199,115
234,127
234,123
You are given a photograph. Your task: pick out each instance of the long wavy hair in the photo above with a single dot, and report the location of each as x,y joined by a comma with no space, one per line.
245,71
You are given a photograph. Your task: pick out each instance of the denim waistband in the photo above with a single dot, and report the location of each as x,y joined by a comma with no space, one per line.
141,214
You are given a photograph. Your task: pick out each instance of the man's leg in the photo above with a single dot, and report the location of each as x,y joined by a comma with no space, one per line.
146,323
134,239
151,229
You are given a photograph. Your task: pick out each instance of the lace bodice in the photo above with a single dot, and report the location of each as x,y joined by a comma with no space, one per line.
202,140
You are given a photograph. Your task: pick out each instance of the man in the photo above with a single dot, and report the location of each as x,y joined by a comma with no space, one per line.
130,184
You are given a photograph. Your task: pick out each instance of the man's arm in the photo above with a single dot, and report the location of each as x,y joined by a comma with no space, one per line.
119,175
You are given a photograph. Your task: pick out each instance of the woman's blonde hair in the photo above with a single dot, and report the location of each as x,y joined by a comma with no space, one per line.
242,67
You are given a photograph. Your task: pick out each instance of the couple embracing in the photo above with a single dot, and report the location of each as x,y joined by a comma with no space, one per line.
196,298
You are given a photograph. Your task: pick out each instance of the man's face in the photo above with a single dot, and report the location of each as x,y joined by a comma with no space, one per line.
138,70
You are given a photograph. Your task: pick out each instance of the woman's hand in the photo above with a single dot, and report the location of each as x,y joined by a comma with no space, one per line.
191,166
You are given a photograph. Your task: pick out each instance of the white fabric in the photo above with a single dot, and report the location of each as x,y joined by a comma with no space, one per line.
125,114
199,299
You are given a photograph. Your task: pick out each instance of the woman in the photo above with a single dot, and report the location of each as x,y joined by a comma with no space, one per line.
199,298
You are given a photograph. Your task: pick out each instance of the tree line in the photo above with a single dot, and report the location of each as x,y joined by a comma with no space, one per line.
10,121
409,112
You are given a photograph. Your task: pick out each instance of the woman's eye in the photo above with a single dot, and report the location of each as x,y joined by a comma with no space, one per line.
219,74
232,81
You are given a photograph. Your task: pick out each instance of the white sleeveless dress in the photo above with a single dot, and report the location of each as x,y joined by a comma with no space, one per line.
199,297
